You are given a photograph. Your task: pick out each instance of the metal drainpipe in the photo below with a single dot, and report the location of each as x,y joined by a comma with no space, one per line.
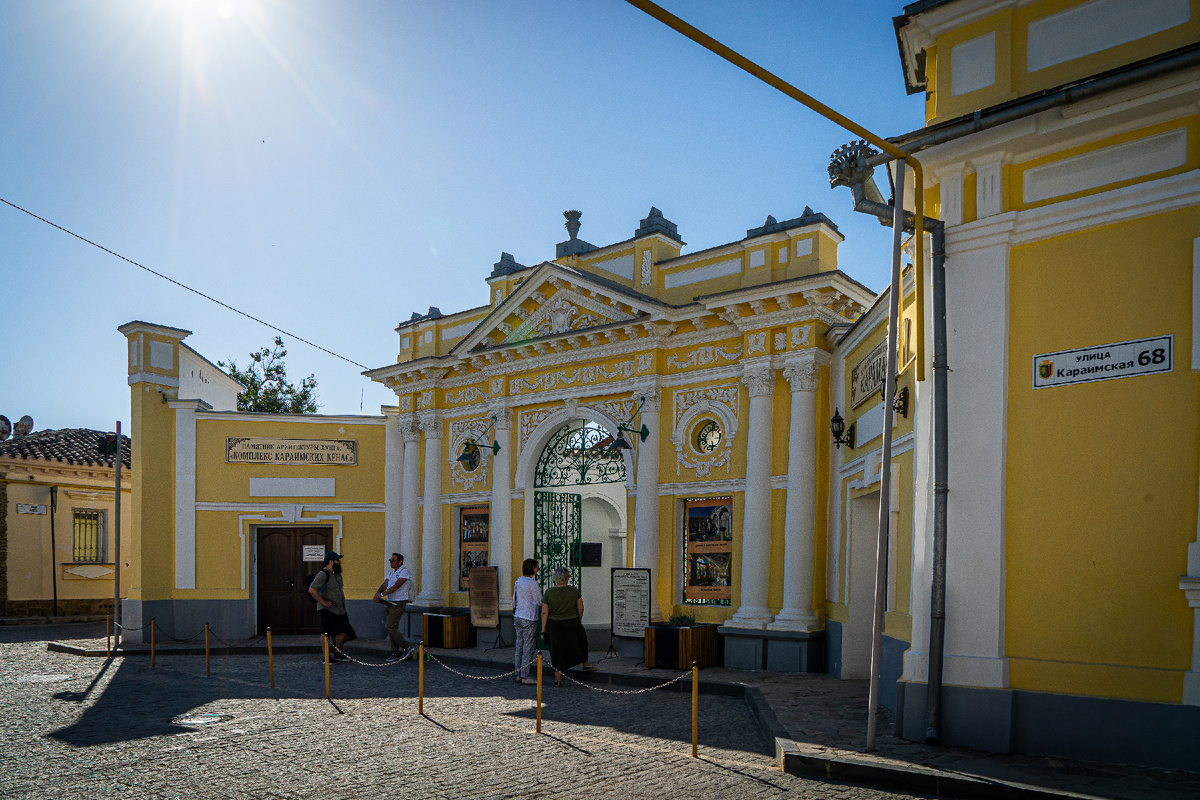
941,452
941,486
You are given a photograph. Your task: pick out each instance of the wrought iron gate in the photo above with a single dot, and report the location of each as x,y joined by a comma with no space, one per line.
557,535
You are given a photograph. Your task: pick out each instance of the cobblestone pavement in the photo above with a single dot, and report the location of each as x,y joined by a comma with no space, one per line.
95,728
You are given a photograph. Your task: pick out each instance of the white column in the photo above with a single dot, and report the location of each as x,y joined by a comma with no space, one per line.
800,518
431,517
756,523
501,520
645,510
393,470
410,538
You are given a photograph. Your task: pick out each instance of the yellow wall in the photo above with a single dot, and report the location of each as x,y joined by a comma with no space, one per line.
1087,609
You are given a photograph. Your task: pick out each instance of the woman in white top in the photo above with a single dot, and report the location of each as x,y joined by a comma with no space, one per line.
527,606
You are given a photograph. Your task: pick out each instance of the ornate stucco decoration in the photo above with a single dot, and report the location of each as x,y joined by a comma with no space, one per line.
461,430
702,356
565,312
469,394
690,404
567,377
647,272
757,342
528,421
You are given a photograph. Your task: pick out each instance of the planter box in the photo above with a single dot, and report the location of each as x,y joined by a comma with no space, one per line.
676,648
447,630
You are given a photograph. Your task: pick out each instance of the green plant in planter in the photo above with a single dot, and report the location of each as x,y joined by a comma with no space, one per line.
682,621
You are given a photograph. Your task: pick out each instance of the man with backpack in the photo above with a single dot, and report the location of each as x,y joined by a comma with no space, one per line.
326,588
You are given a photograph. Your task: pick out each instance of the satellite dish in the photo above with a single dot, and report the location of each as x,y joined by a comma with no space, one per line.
24,426
5,428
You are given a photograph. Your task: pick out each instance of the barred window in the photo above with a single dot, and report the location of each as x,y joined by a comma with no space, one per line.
88,529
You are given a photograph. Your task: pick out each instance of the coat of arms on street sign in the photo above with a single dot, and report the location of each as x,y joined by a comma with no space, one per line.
1046,369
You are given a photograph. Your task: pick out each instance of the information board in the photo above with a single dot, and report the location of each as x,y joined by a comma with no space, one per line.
313,552
630,601
1104,362
484,589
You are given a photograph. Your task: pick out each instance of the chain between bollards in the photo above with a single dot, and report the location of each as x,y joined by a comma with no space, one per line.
539,693
152,641
421,679
695,710
270,658
207,662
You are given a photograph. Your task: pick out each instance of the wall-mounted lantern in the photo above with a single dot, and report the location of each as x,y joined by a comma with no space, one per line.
841,434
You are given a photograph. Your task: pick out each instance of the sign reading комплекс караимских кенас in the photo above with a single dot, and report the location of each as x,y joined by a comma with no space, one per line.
250,450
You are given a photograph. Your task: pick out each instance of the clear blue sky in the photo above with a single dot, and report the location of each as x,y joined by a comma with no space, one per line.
332,167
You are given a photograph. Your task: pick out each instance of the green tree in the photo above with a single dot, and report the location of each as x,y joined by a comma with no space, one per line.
267,386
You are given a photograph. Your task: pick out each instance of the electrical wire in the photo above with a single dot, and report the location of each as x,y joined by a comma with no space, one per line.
183,285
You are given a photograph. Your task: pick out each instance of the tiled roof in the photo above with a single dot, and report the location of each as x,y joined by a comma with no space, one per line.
69,445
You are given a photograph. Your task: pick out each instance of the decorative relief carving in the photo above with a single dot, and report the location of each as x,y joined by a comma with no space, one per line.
645,362
800,336
780,341
726,394
706,355
430,424
760,382
406,403
757,342
567,377
527,422
426,399
497,387
804,377
620,410
690,404
460,431
646,268
565,312
408,429
469,394
561,313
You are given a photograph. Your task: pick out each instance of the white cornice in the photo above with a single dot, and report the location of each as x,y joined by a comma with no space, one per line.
311,419
309,508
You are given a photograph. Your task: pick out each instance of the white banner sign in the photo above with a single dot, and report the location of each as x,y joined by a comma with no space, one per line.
630,601
314,552
1104,362
25,508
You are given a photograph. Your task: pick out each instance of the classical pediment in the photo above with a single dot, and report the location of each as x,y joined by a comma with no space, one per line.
552,301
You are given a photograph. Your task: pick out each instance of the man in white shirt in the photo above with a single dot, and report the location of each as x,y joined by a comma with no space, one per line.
395,592
527,610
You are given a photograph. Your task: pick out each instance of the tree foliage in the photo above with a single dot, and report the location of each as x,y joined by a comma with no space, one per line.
267,386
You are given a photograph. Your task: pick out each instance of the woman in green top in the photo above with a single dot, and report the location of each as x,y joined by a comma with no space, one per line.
562,625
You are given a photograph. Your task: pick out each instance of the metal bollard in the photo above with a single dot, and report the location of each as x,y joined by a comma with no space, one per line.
539,693
325,644
152,641
270,658
695,710
207,663
421,679
108,636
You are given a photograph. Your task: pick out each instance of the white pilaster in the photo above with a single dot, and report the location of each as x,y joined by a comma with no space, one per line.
185,490
410,538
800,518
645,514
501,521
393,470
756,525
431,518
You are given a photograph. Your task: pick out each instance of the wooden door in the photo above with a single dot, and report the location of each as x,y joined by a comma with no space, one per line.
283,601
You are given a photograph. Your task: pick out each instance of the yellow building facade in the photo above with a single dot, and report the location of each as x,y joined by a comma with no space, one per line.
1061,153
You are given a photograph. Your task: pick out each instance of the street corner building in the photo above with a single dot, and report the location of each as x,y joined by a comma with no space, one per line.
58,535
717,418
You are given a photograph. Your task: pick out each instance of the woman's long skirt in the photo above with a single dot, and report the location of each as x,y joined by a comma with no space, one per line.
568,643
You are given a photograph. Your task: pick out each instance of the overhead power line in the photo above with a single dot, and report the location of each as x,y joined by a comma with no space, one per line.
184,285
